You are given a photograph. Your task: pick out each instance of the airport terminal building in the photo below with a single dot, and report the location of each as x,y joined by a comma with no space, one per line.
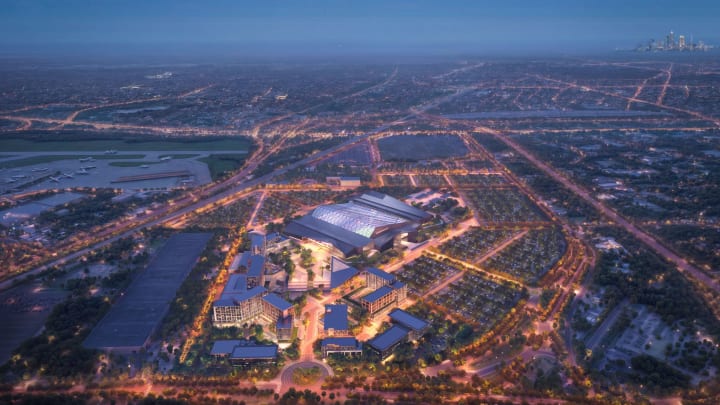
370,221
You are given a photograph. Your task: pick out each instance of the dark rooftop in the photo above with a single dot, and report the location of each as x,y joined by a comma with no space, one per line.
257,266
407,320
224,347
392,205
381,274
311,227
342,341
227,300
388,338
341,273
336,317
237,284
255,352
277,301
377,294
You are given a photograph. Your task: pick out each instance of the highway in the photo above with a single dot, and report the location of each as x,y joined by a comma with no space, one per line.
682,264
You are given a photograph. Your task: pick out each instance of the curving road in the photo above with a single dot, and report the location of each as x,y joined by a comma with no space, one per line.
286,379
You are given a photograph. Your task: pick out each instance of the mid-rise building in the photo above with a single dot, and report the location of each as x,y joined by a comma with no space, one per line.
387,291
256,271
238,305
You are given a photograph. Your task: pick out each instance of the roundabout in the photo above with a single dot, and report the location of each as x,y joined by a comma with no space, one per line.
286,377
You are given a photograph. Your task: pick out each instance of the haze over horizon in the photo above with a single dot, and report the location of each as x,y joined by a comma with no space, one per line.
327,27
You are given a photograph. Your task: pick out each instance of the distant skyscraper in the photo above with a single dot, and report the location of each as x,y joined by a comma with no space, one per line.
681,42
671,40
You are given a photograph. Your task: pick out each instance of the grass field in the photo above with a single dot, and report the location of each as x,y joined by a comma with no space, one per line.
180,155
306,376
221,163
419,147
36,160
132,164
129,145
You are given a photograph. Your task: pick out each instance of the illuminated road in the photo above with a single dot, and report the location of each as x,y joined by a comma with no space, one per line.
497,249
682,265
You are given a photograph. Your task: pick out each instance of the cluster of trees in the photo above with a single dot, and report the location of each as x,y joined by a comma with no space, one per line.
656,374
284,260
673,298
58,350
292,154
191,294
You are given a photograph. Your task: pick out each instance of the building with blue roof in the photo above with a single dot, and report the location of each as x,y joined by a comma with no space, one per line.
341,345
283,328
335,321
416,326
257,243
256,271
238,305
387,341
224,348
244,353
376,278
341,273
387,291
237,284
236,308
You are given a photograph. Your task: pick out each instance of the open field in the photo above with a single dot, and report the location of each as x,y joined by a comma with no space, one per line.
219,164
414,148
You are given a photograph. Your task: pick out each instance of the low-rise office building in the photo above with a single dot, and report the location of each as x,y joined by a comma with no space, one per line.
341,345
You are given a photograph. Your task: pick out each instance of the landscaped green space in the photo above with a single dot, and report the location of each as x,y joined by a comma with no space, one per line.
276,206
221,164
396,180
479,300
227,216
132,164
529,258
306,376
503,205
415,147
430,180
473,244
421,274
179,155
479,180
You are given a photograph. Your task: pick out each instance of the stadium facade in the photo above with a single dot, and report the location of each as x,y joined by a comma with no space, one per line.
370,221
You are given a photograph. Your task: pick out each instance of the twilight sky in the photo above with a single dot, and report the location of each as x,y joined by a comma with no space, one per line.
368,24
